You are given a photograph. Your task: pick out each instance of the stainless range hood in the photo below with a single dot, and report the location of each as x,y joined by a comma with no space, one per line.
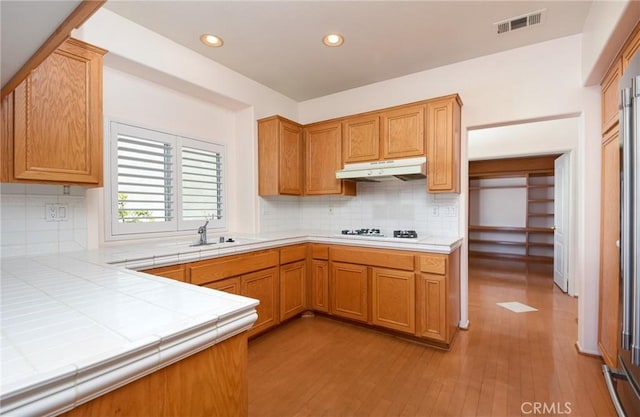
376,171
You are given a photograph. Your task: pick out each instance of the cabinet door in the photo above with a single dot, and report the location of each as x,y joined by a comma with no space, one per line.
230,285
610,96
176,272
292,289
443,145
393,299
58,118
263,286
320,285
323,145
403,132
608,334
349,291
290,159
431,308
361,139
6,139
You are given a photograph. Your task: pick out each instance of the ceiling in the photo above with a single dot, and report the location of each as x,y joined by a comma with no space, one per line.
278,43
24,27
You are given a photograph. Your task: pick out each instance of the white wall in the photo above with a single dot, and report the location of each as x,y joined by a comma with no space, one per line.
533,138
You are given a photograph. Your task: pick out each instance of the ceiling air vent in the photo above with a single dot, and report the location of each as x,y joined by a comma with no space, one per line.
520,22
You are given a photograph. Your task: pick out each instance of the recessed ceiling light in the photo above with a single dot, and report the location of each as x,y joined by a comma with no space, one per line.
211,40
333,39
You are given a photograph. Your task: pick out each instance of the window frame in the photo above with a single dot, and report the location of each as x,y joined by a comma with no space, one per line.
115,230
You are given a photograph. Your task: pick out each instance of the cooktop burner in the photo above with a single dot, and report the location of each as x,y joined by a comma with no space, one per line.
402,234
363,232
405,234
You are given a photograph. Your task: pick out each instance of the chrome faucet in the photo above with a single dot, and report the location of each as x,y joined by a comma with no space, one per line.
202,231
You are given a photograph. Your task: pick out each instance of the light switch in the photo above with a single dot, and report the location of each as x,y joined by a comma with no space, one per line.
62,212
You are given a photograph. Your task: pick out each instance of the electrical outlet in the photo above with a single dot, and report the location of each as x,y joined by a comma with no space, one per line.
51,212
330,210
435,211
56,212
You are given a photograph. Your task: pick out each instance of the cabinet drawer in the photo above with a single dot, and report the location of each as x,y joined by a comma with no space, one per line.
320,252
176,272
292,254
209,271
374,257
434,264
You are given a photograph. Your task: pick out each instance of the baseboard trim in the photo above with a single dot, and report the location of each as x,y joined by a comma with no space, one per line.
581,351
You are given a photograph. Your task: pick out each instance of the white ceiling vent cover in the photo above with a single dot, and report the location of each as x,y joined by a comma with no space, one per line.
520,22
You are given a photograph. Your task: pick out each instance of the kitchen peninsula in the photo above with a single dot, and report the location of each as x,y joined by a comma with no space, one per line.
100,326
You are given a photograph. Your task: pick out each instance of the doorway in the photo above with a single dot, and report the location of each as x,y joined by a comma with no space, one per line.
532,185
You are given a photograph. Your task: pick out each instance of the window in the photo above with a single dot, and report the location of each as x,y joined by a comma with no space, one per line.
162,182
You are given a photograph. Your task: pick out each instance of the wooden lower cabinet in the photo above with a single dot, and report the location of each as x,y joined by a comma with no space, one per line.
212,382
393,299
438,297
263,286
348,290
176,272
431,313
410,292
230,285
319,287
608,328
293,282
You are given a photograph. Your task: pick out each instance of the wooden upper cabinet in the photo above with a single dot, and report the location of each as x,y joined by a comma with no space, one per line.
443,145
57,120
280,157
403,132
361,138
323,151
610,96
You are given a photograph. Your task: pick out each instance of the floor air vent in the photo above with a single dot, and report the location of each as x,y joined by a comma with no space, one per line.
520,22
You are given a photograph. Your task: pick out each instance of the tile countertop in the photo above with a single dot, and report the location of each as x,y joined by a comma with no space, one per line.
79,324
167,252
73,330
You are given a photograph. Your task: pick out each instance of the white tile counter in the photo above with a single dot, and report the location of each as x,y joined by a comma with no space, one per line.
79,324
166,252
73,330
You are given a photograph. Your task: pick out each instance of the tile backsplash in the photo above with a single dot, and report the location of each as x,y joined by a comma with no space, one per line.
386,205
24,228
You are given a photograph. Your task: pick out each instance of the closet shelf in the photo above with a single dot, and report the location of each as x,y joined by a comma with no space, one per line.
497,242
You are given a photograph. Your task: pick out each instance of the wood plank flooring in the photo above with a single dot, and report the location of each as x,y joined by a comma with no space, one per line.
501,366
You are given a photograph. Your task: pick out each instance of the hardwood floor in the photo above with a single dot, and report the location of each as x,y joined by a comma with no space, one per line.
501,366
